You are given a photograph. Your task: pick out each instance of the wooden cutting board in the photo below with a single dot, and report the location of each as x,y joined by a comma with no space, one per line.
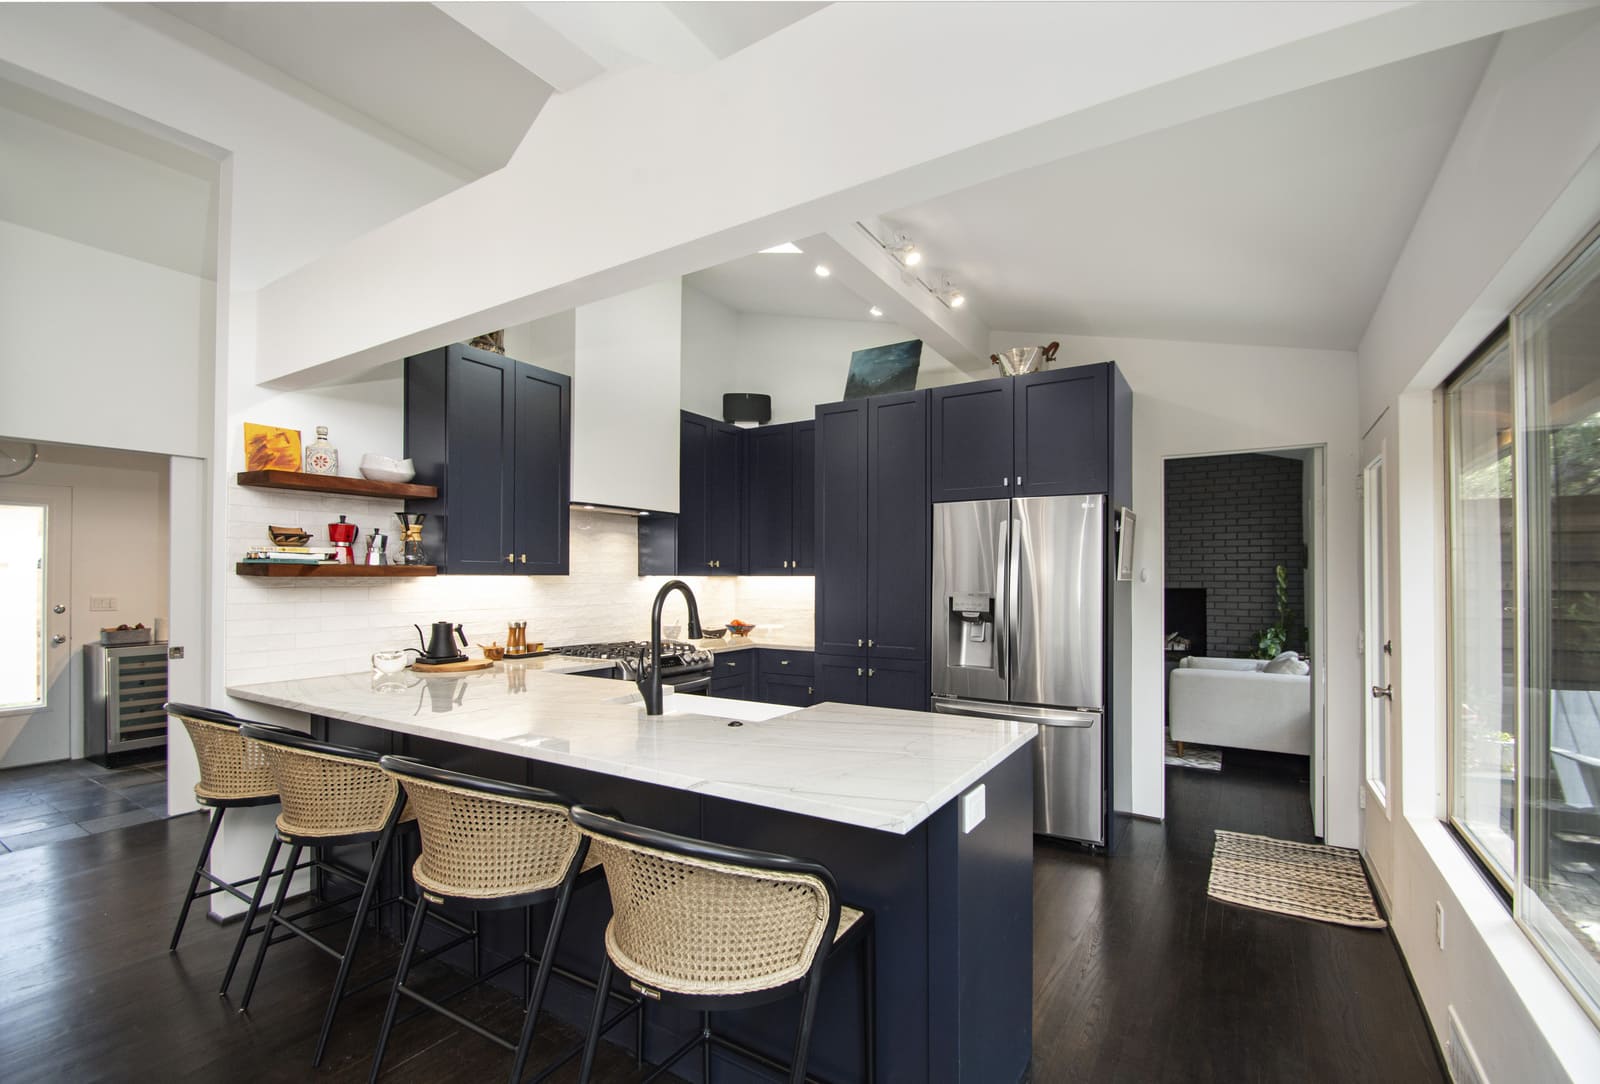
451,667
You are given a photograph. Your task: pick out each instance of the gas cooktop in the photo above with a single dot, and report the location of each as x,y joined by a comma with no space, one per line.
676,655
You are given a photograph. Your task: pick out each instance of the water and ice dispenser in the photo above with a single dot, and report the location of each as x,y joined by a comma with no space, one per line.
970,631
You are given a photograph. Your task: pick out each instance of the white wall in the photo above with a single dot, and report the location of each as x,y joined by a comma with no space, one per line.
119,544
1207,398
801,361
1518,188
547,343
101,349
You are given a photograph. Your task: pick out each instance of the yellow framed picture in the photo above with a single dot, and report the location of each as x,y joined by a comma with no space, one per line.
267,447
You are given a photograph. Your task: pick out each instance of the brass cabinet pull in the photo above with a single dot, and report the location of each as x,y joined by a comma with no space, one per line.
783,662
511,558
524,558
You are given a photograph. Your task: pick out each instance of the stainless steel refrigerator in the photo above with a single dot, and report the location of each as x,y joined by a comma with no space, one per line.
1019,628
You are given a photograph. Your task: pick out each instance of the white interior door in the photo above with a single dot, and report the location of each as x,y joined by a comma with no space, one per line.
36,691
1316,592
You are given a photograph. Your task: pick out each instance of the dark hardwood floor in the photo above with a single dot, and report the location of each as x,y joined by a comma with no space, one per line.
1137,976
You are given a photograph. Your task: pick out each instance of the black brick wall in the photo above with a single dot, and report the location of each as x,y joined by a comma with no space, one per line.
1231,520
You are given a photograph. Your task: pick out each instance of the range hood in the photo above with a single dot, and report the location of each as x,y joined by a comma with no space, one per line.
627,368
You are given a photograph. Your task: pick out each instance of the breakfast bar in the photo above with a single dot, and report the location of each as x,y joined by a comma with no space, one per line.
924,819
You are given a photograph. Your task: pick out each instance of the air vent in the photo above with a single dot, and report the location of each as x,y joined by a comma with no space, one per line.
1459,1055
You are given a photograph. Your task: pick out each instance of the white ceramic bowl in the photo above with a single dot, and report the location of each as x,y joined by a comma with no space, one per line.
381,468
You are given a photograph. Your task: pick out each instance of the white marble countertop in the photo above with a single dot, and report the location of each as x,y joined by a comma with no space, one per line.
870,767
744,643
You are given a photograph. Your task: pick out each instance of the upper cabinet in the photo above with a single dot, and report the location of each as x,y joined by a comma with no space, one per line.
706,537
494,435
873,527
1040,435
780,491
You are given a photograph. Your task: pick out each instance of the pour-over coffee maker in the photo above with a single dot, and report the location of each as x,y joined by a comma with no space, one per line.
343,537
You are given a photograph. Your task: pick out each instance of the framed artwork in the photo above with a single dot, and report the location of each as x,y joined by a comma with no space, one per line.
267,447
881,369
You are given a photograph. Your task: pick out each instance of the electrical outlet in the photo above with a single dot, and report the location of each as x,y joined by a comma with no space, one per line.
972,807
1438,924
102,603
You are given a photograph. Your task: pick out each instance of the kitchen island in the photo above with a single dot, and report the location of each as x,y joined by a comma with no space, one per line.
876,795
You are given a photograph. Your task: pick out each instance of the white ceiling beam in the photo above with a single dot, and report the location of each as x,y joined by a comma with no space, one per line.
619,35
529,40
652,173
859,262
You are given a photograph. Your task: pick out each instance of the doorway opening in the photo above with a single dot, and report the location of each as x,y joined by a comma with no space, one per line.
84,559
1241,609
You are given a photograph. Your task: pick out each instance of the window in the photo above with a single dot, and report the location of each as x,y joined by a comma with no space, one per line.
22,651
1522,426
1483,607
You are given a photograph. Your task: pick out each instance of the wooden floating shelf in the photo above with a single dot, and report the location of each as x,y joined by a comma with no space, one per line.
334,570
346,487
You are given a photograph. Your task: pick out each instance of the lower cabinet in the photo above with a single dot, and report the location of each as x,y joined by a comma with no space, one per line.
733,676
791,689
879,683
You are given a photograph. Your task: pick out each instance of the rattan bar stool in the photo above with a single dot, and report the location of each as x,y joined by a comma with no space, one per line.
233,774
333,796
712,927
488,845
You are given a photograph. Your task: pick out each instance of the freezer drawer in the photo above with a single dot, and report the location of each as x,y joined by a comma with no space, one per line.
1068,765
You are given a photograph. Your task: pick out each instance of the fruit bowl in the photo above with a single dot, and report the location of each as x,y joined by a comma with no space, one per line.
739,628
381,468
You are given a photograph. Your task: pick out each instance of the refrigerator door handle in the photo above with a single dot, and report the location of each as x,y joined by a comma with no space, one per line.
1021,713
1013,596
1002,645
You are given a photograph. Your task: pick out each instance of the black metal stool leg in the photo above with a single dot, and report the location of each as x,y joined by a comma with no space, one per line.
869,994
399,981
194,882
266,928
597,1019
808,1012
250,914
547,961
705,1047
374,875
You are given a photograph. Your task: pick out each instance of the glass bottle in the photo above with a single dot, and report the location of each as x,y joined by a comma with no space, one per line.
322,457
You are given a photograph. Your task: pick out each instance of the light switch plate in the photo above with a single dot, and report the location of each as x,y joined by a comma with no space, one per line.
973,808
102,603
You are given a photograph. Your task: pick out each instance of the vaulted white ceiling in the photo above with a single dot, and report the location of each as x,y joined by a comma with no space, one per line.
1276,224
779,284
407,66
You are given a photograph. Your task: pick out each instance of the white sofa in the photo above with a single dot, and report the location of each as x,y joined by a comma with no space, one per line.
1232,702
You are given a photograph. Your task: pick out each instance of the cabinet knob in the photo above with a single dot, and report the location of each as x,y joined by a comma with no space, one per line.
523,557
1019,479
871,644
859,671
1005,481
511,558
733,666
783,662
860,642
870,671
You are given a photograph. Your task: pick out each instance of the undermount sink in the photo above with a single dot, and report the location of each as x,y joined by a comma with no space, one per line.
709,707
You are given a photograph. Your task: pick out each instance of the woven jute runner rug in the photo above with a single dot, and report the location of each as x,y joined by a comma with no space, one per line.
1306,880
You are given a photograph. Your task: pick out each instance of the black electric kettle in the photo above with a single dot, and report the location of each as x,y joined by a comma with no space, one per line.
442,647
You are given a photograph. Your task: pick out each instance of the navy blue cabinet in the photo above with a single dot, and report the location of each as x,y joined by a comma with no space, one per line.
1062,431
706,537
780,485
841,679
841,529
970,455
494,434
1041,435
873,541
898,683
899,527
733,675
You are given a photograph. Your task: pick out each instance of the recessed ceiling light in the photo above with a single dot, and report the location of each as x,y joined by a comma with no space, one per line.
822,271
875,311
788,248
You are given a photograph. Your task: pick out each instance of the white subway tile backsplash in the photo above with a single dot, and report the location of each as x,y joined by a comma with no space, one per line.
280,629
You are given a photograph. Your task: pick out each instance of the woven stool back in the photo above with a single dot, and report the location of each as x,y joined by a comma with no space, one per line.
478,844
326,790
231,769
697,926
